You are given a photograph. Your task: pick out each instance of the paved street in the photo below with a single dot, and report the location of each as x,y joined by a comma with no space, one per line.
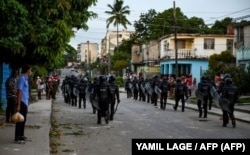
80,134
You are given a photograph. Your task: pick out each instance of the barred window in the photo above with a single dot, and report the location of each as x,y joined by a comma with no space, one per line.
208,43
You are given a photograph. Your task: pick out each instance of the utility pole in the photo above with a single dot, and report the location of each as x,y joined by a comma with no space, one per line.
89,58
175,43
109,63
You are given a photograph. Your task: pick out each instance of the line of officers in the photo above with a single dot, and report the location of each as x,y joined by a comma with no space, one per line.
150,90
103,94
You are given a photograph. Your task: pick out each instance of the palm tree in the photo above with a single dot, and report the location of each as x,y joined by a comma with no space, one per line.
118,15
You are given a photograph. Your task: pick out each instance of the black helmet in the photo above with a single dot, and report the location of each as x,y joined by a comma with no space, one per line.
227,76
112,78
178,80
228,80
102,78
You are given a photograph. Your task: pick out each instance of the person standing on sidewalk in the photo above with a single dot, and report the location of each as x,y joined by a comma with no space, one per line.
11,90
39,90
22,102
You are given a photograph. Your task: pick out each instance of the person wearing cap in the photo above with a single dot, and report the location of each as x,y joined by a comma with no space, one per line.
39,86
11,90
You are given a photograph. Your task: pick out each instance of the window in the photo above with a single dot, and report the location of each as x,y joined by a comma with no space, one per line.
208,43
230,45
120,35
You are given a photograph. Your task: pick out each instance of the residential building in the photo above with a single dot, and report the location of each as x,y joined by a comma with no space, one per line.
87,52
242,44
145,59
193,51
109,42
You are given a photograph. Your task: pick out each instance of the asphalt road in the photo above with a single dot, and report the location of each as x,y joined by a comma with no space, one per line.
80,133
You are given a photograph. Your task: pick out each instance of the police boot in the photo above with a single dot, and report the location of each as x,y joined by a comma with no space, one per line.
205,115
225,122
111,117
234,123
84,104
164,105
200,113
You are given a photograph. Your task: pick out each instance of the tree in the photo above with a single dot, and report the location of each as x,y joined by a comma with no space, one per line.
118,15
142,25
38,32
220,27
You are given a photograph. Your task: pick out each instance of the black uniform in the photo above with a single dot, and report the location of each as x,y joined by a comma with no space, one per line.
82,86
91,89
128,88
155,86
115,96
164,86
210,99
204,89
181,91
230,94
135,83
103,93
142,90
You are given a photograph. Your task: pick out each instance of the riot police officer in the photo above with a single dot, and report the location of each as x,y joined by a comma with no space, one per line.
181,91
156,86
210,99
92,86
128,88
142,92
115,95
164,86
82,92
135,84
230,95
204,92
103,93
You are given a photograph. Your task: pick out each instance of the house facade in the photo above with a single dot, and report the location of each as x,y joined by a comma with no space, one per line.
242,44
193,51
145,59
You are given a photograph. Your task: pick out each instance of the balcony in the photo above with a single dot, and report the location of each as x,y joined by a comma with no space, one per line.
243,53
181,53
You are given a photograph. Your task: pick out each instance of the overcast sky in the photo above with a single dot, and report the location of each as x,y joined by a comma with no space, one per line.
208,10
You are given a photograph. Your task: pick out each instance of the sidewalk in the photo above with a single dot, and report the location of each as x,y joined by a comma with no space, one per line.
37,131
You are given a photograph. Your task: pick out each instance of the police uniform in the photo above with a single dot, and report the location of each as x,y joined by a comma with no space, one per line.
115,95
103,93
181,91
230,95
204,90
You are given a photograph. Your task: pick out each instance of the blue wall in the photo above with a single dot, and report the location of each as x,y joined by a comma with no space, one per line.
4,74
197,67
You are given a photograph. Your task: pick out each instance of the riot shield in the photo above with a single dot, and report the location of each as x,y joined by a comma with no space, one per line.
224,104
215,95
148,88
157,91
94,102
143,89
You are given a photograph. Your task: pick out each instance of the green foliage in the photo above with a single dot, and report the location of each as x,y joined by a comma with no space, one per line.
118,14
38,33
225,63
119,81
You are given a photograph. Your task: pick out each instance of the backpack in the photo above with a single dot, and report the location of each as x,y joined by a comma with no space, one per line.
230,92
82,88
180,89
